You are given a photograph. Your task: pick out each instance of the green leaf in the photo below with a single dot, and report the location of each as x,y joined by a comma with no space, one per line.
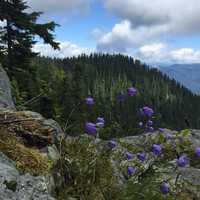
185,132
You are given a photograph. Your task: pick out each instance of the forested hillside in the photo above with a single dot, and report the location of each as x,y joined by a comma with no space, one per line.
57,88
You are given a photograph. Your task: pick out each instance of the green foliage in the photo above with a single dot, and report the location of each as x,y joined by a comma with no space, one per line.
86,171
57,88
17,37
89,169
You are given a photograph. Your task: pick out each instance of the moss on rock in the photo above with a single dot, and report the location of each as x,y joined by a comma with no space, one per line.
27,159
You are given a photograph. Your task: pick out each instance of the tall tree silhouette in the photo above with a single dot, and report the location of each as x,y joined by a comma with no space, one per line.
17,33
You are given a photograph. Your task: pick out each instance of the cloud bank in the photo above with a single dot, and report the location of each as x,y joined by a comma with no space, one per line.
157,53
67,49
124,36
180,16
146,28
57,6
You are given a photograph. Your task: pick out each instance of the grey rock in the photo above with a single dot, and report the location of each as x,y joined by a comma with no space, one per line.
195,137
27,186
189,175
6,100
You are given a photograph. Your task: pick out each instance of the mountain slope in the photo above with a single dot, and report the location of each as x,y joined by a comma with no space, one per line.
186,74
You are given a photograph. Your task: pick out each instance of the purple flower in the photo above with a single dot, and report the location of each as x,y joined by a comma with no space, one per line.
100,120
129,156
161,130
165,188
174,145
142,156
121,97
91,128
197,152
149,123
131,170
140,124
168,136
182,161
147,111
112,144
151,129
89,101
156,149
132,91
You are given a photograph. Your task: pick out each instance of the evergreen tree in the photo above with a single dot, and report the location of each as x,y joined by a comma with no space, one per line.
103,77
18,32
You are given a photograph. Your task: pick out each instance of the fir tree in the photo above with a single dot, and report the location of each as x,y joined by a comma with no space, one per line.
17,34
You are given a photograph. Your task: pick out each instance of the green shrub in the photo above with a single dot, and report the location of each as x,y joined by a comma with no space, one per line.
86,172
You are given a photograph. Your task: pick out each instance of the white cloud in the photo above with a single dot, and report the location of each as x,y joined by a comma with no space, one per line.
152,53
162,53
67,49
187,55
180,16
54,6
146,27
155,52
124,36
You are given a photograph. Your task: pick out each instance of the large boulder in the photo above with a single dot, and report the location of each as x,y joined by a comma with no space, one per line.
6,100
28,154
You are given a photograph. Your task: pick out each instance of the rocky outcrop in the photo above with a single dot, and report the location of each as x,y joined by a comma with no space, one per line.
188,175
6,100
14,186
31,128
27,155
149,173
27,150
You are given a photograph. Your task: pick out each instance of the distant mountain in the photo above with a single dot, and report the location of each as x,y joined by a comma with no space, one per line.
187,74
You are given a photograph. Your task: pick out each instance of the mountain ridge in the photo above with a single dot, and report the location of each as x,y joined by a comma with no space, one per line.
187,74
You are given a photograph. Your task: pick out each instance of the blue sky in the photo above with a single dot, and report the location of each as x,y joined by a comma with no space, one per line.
159,31
78,28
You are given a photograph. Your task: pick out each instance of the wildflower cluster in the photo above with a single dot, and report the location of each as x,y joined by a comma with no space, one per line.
163,148
93,128
146,113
